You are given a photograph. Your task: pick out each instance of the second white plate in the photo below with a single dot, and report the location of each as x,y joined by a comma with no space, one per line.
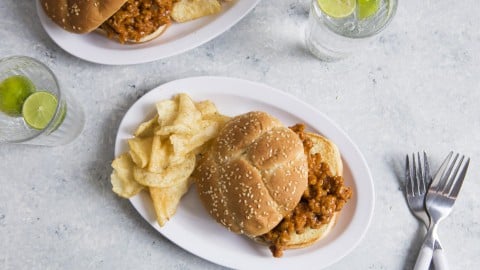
178,38
193,229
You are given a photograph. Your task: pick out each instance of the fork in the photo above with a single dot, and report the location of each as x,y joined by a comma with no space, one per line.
439,201
417,181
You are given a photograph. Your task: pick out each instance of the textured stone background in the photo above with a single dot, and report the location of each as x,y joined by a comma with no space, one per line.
415,87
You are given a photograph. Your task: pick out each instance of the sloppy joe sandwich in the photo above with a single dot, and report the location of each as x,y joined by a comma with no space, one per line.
279,186
131,21
126,21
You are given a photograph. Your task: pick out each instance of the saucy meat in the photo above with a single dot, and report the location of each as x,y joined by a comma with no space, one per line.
325,195
137,19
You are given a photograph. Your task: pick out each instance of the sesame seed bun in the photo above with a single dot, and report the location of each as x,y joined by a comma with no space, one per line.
311,236
254,173
85,16
152,36
329,152
330,155
81,16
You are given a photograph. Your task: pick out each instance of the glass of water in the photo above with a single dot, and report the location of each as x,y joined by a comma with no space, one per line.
338,28
34,109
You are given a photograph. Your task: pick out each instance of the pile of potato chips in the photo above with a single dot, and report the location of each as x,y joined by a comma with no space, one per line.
163,152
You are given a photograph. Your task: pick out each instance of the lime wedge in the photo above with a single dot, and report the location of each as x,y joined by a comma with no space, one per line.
39,108
337,8
13,92
367,8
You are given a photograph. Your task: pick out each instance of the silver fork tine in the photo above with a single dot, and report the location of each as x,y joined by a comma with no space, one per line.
440,173
415,175
408,175
420,174
425,174
459,182
448,188
442,184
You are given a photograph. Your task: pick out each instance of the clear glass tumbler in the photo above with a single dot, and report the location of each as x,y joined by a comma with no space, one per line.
65,118
332,38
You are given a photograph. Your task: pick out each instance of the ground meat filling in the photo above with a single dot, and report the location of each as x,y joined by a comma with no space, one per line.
137,19
324,196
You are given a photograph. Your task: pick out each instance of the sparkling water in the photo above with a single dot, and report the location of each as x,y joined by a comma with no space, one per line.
14,127
68,120
331,38
354,27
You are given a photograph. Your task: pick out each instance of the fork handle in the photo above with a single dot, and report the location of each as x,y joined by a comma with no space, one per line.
426,251
424,258
439,259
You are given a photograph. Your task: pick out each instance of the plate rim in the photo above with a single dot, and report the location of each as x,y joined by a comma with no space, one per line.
183,44
360,167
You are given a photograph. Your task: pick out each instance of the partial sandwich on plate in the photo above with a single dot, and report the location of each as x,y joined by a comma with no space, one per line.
126,21
279,186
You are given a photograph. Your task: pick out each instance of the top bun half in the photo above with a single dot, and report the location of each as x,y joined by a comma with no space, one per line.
254,173
80,16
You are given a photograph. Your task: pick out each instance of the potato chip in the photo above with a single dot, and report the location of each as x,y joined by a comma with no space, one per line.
185,121
184,144
170,176
147,128
159,156
167,111
219,118
174,129
140,150
188,114
166,200
122,179
206,108
186,10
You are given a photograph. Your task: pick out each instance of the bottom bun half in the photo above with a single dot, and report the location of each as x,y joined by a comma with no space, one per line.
149,37
308,237
331,156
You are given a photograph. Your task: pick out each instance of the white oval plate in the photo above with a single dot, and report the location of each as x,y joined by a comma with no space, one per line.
178,38
193,229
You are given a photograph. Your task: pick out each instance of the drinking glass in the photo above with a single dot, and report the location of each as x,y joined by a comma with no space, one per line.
333,38
67,121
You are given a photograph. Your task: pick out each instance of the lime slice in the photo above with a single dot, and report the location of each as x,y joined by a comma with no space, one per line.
13,92
38,109
337,8
62,113
367,8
